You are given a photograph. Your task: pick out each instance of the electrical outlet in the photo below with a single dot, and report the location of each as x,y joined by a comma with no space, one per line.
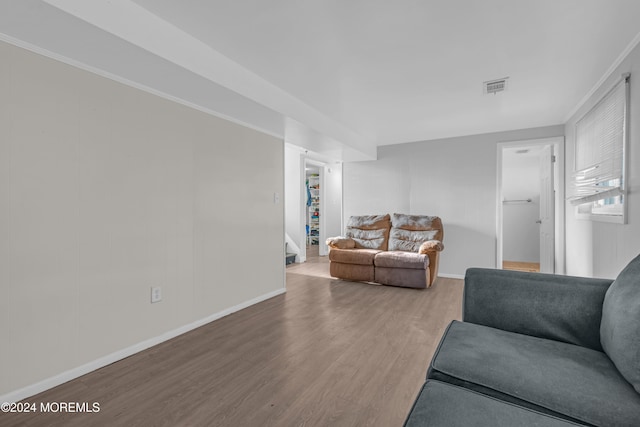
156,294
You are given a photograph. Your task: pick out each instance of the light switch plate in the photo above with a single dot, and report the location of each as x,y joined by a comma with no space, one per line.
156,294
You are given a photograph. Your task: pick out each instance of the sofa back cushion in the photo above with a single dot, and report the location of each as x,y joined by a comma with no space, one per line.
369,231
408,232
406,240
619,328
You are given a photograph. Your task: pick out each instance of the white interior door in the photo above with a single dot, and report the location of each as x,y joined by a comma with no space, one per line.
547,211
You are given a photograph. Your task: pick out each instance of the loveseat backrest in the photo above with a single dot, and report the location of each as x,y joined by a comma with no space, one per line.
369,231
408,232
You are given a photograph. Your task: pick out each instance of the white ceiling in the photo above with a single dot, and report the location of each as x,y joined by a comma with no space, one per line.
341,77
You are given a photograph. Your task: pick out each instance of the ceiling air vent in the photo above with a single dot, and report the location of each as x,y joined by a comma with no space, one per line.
495,86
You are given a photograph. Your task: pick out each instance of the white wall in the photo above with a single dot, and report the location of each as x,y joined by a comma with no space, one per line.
292,198
376,187
106,191
521,181
332,203
452,178
602,249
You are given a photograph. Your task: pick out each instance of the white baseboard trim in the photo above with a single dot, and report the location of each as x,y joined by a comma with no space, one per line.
74,373
451,276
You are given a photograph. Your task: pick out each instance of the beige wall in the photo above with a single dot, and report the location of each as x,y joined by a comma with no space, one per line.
105,191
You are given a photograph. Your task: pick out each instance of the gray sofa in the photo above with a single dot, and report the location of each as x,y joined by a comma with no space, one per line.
538,350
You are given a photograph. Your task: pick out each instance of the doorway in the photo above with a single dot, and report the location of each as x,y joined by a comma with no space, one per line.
530,208
313,209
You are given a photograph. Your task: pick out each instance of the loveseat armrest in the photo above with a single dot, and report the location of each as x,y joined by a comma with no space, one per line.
562,308
431,246
340,242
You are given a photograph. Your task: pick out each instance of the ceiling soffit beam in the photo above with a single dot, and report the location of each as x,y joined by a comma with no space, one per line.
131,22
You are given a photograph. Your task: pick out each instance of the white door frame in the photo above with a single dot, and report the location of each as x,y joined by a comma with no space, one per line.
547,209
558,168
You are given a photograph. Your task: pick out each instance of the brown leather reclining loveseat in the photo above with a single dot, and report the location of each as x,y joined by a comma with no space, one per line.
402,250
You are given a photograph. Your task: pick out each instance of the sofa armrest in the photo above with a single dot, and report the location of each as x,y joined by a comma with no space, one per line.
431,246
562,308
340,242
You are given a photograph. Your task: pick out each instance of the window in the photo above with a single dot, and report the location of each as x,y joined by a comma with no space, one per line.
598,184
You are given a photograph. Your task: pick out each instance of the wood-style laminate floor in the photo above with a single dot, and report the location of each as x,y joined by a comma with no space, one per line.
533,267
326,353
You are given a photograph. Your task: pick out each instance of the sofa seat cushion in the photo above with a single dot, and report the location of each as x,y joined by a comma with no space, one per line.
559,378
444,405
400,259
353,256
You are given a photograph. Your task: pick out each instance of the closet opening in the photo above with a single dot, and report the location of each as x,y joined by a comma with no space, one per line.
313,209
530,211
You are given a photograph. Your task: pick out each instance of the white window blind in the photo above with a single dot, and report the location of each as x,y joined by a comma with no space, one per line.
600,148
